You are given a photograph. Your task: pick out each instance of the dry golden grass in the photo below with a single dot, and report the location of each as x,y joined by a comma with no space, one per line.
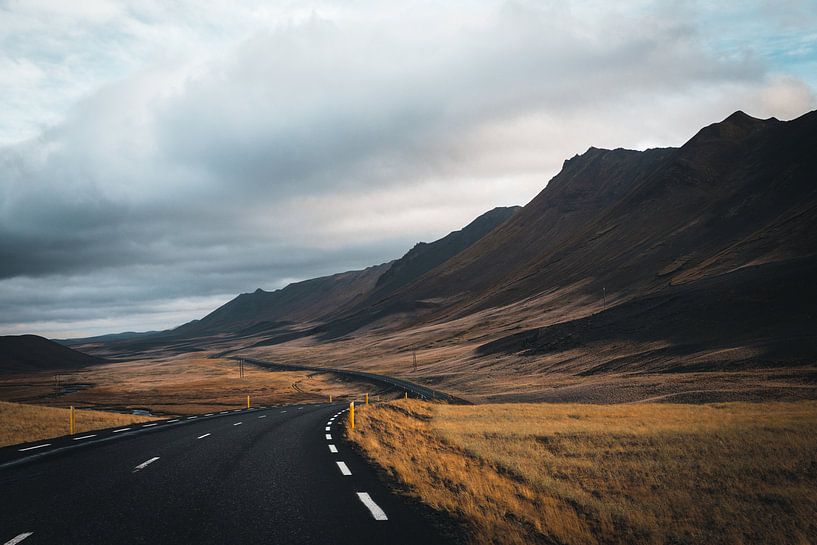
727,473
23,423
186,384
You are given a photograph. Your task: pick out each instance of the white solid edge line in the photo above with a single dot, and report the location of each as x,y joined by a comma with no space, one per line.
333,449
120,429
374,509
171,421
328,437
202,436
146,463
84,437
344,468
237,424
149,425
34,447
18,539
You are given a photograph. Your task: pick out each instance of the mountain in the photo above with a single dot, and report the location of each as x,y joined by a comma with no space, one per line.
297,302
25,353
639,263
312,300
740,193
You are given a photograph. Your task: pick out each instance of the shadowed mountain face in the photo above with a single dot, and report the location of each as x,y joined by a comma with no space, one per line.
741,192
25,353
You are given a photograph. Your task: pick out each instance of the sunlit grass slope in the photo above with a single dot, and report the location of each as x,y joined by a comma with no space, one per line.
585,474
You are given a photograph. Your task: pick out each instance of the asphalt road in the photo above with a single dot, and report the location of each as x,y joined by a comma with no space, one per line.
412,389
274,475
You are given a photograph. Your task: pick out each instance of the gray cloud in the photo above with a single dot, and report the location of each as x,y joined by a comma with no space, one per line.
268,151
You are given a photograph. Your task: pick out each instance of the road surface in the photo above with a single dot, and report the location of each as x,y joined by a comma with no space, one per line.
414,390
273,475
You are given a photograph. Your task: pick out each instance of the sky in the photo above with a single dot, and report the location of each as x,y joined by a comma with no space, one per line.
158,158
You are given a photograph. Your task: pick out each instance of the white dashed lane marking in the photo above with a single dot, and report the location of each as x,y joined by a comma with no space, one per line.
121,429
344,468
237,424
327,428
191,417
328,437
203,436
18,539
84,437
374,509
149,425
171,421
333,449
34,447
262,416
144,464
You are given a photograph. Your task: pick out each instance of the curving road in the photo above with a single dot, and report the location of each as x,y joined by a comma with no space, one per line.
273,475
412,389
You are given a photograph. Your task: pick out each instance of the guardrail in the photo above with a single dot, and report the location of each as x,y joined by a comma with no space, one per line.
411,388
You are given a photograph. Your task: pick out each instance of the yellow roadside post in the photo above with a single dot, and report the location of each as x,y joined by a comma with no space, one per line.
352,414
405,395
367,399
71,420
330,398
248,402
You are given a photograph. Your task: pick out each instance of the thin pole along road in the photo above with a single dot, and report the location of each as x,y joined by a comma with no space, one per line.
272,475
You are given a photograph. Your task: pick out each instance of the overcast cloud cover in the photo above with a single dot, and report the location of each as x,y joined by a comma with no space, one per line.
158,158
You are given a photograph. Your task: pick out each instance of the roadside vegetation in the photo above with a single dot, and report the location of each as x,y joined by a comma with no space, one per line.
23,423
724,473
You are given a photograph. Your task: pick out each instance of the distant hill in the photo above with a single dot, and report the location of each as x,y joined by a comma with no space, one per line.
25,353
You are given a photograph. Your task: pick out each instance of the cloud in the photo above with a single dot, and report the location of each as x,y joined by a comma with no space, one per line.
200,150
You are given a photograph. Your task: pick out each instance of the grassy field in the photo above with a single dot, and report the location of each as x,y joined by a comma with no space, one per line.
23,423
185,384
728,473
